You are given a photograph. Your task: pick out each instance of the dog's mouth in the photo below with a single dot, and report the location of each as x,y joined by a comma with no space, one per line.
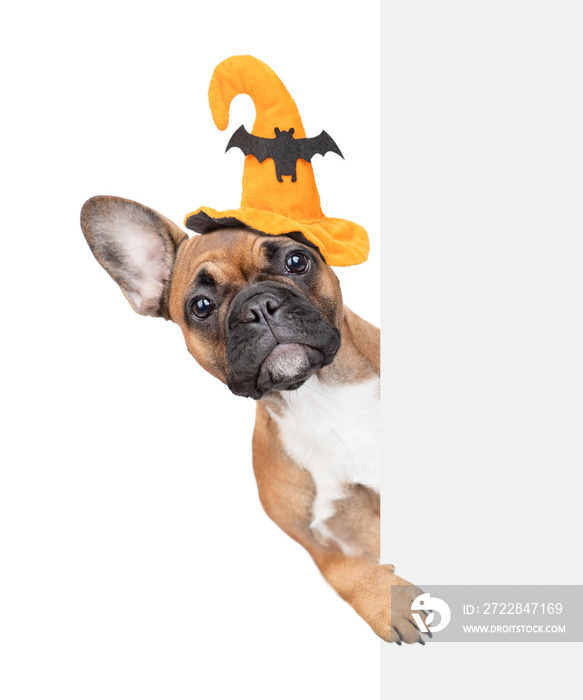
287,367
276,340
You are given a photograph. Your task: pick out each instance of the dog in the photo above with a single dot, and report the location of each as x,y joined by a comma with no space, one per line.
264,314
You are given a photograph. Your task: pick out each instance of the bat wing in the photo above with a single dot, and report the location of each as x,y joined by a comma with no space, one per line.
318,144
250,144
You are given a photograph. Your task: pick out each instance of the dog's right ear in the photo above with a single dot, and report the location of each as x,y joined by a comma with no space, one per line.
137,246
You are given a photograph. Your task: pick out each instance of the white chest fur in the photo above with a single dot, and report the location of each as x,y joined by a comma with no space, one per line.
334,433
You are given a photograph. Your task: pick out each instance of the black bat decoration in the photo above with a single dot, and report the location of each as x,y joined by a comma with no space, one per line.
284,149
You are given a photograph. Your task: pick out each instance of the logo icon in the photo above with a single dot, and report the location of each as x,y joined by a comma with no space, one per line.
426,602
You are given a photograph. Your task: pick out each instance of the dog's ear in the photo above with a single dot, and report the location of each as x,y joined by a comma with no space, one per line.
137,246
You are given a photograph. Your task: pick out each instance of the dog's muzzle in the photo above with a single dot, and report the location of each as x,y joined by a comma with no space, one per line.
276,339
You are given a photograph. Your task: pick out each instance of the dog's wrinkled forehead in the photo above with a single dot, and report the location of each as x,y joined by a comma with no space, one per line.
233,257
229,253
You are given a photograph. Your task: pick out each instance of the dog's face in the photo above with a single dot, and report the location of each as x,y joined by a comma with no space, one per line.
260,313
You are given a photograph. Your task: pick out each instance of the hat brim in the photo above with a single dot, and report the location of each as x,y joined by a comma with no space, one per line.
340,242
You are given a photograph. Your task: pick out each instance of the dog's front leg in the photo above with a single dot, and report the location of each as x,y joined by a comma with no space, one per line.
368,588
287,493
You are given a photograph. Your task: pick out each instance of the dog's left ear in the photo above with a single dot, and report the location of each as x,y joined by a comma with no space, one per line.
137,246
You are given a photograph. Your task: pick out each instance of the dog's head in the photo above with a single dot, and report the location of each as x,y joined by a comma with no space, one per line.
262,313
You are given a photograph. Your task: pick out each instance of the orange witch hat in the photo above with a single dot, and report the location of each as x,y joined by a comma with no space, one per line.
275,200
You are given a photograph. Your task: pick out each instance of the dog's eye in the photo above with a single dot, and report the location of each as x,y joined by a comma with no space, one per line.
297,263
201,307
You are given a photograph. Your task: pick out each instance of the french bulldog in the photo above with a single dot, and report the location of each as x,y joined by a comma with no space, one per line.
264,315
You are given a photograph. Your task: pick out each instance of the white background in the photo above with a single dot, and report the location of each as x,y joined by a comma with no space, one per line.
482,322
136,559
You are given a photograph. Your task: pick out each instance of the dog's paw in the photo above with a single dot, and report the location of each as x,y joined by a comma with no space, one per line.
385,603
403,625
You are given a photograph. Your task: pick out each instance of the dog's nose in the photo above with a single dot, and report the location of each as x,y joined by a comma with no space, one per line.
259,308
